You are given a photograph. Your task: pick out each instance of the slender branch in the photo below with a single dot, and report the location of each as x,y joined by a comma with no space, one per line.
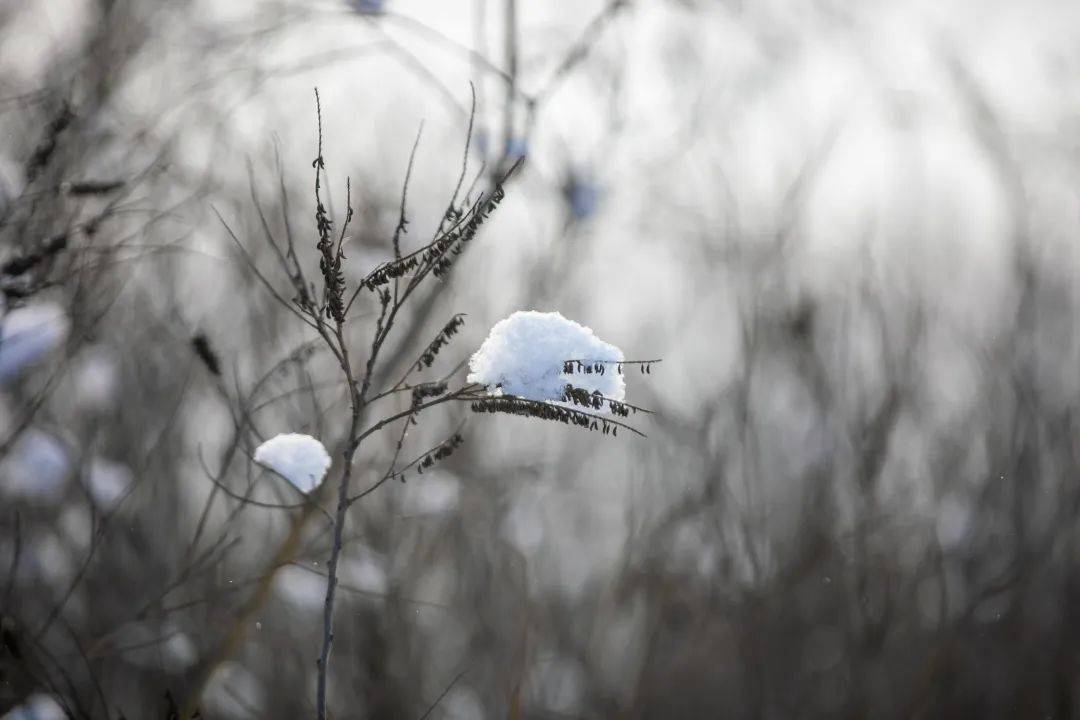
464,161
614,362
510,50
546,410
391,473
443,694
16,555
262,278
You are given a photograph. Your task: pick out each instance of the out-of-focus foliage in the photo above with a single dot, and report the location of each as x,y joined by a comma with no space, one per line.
848,228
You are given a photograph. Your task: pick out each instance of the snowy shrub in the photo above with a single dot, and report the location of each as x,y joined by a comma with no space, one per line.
534,364
300,459
325,308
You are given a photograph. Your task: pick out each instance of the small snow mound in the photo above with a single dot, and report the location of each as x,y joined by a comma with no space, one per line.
300,459
525,353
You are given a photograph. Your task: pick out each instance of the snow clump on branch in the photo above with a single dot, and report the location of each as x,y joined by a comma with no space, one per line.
300,459
535,355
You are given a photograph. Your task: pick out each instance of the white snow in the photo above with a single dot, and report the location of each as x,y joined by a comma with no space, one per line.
524,354
300,459
28,334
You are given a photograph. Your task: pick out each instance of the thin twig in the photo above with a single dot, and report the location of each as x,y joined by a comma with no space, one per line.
443,694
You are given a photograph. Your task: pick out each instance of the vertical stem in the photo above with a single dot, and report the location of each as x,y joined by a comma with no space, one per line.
358,397
510,50
480,45
332,581
335,554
